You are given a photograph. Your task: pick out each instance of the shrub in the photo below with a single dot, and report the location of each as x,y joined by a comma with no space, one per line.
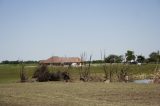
42,74
58,76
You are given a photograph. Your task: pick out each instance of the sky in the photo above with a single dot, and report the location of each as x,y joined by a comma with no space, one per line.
39,29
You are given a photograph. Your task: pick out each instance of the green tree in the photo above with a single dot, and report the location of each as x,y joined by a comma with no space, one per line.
5,62
130,55
119,59
113,59
140,58
97,61
154,57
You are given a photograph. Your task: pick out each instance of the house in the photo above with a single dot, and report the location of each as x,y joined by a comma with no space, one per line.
55,60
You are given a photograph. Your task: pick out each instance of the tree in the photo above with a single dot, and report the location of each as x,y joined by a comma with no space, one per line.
97,61
85,69
130,55
154,56
5,62
42,73
140,58
113,59
23,77
119,59
18,62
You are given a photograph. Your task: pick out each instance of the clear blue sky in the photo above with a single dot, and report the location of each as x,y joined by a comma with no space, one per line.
38,29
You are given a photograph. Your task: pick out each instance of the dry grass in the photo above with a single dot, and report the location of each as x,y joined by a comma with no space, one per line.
79,94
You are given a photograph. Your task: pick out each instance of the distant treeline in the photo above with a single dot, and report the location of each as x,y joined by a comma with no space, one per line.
129,57
18,62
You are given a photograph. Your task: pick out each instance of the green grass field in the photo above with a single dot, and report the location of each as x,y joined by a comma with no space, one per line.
13,93
10,73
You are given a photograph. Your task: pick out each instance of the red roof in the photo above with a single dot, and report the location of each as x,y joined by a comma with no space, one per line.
56,59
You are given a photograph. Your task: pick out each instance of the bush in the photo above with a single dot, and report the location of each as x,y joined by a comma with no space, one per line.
58,76
42,74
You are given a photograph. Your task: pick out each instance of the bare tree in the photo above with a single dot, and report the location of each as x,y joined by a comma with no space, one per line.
157,62
104,65
85,68
122,75
23,77
107,71
156,78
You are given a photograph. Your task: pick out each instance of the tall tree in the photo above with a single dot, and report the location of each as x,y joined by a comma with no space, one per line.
130,55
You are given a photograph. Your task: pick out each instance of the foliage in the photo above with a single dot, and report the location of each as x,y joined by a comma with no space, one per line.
11,62
84,71
130,55
42,73
154,57
97,61
10,73
113,59
140,59
18,62
57,76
